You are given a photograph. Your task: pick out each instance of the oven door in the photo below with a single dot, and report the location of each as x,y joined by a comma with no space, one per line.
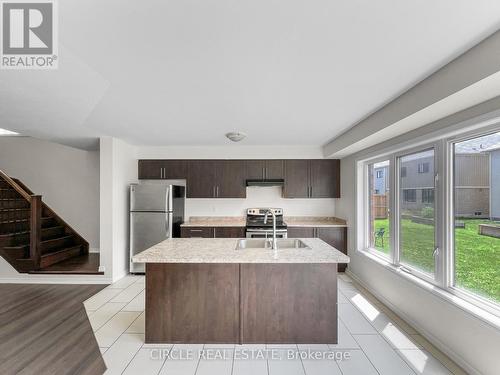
266,233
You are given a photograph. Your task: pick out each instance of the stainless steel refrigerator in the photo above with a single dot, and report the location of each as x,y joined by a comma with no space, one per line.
156,213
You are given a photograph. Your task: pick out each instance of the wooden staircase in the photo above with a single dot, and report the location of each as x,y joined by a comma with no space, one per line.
34,239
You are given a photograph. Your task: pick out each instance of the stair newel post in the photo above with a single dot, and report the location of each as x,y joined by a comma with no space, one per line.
36,229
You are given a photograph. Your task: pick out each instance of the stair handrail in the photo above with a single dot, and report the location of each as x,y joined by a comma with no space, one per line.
16,187
35,218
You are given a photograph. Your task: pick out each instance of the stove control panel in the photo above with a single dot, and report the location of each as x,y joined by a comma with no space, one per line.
262,211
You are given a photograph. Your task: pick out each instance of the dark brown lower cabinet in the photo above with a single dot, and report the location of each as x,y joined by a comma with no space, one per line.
213,232
241,303
333,236
230,232
197,232
301,232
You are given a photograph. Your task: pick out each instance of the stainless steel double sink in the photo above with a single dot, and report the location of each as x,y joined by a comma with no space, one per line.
267,244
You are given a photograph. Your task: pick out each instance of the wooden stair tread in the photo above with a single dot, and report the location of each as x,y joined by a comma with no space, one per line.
86,264
58,245
21,220
58,251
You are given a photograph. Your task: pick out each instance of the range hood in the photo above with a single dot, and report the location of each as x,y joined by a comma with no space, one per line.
269,182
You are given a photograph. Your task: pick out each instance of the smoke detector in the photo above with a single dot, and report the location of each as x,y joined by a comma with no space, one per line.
235,136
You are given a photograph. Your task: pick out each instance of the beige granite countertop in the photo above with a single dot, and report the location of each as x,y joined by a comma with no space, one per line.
215,221
311,221
239,221
223,250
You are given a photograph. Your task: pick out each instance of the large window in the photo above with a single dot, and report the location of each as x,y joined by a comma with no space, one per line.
416,219
445,227
476,190
378,201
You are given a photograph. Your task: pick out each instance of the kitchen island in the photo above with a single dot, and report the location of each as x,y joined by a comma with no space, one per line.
205,290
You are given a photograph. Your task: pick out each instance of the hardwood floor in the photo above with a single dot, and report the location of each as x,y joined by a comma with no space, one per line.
44,329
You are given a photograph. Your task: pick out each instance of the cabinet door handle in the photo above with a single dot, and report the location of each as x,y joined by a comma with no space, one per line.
217,190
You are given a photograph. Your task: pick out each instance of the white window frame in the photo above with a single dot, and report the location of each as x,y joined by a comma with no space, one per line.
449,286
366,209
444,211
397,211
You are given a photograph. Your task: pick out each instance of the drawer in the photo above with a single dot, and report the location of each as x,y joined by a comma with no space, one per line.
197,232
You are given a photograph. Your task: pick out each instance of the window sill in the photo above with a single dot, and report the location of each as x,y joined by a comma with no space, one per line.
468,307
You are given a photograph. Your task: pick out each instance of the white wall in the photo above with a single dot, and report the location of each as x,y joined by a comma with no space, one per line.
231,151
118,170
260,197
67,178
470,341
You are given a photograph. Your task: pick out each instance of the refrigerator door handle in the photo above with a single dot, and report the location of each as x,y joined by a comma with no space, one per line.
168,224
169,198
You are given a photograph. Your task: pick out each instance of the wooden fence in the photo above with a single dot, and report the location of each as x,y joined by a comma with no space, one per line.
379,206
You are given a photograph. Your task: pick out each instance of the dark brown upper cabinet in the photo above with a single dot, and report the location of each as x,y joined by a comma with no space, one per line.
227,178
175,169
201,179
265,169
325,178
296,179
230,179
256,169
162,169
216,179
312,178
150,169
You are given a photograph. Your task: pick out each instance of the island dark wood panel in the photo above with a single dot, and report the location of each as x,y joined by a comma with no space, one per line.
289,303
241,303
192,303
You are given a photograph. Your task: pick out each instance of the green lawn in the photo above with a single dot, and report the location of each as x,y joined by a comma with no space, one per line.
477,257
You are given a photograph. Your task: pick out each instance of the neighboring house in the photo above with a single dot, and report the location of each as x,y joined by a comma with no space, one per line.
417,183
494,165
381,179
472,184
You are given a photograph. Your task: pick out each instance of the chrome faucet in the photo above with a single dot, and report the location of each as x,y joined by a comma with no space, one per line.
274,244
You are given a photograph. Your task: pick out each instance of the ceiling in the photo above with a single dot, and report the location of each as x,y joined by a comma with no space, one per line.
156,72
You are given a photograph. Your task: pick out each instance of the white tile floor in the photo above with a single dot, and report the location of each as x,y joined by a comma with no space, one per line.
372,340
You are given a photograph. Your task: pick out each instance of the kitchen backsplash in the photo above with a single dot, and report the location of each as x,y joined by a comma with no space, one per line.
260,197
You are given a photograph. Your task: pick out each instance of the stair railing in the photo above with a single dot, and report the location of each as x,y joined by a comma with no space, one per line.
35,218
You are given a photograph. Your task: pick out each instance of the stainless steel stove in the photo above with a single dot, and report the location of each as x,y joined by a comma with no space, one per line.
256,228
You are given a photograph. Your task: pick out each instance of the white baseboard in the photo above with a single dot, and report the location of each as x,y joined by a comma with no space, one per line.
57,279
422,331
94,250
120,275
